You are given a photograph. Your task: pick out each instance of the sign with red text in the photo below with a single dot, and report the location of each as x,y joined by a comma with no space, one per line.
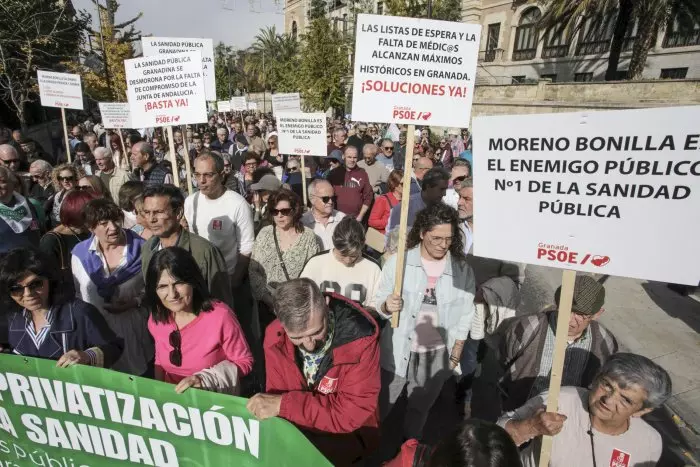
604,192
302,134
414,71
60,90
223,106
115,114
166,90
175,45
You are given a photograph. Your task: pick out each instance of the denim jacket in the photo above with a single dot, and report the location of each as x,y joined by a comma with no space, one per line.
455,300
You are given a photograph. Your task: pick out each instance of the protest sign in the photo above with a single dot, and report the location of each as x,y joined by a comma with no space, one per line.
414,71
239,104
60,90
604,192
252,106
86,416
290,102
223,106
166,90
302,134
115,115
174,45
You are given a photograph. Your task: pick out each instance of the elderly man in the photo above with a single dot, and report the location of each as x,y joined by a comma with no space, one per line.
322,218
601,426
163,210
386,156
360,138
9,157
344,269
91,140
322,363
42,187
338,143
457,176
112,176
146,168
378,173
432,192
528,341
255,143
352,186
222,144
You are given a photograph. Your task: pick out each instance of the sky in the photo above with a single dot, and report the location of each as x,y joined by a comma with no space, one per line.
234,22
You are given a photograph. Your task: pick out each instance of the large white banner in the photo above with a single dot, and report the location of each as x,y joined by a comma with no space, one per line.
223,106
166,90
605,192
290,102
414,71
60,90
302,134
115,114
239,104
174,45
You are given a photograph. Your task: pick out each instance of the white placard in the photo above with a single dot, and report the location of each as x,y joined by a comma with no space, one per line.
166,90
60,90
223,106
290,102
302,134
115,114
605,192
173,45
239,104
414,71
252,106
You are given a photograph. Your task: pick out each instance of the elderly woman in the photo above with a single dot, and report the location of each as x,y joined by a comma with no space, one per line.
44,323
281,249
65,178
199,342
436,314
602,425
379,216
94,184
19,219
107,274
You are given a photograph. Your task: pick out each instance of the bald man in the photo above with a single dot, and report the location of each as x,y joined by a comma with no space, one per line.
9,157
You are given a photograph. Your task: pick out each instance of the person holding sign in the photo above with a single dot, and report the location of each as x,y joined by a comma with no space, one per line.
601,426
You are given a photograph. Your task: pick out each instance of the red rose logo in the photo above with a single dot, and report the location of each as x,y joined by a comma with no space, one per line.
600,261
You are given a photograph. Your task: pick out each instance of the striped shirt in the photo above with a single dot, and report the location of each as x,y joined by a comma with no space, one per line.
38,337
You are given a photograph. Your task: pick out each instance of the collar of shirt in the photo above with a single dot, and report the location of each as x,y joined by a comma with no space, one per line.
39,336
94,247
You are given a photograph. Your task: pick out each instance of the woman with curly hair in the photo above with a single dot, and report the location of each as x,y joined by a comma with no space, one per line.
436,309
64,178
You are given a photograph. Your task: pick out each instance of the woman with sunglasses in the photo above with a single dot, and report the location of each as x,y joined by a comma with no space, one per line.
65,178
45,322
199,342
273,156
281,249
94,184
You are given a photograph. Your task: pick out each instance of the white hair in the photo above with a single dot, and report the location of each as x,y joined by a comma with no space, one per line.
102,152
42,165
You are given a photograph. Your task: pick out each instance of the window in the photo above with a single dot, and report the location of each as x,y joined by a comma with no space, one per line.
492,42
583,77
595,36
294,30
518,79
526,35
552,76
678,36
673,73
556,44
345,23
380,8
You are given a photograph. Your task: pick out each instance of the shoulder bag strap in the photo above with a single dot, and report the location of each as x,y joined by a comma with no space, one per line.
279,253
60,248
388,200
195,202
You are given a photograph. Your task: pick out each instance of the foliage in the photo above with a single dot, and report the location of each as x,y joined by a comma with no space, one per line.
446,10
271,60
317,9
34,34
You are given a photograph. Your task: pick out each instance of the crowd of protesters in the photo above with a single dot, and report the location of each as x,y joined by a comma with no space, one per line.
243,288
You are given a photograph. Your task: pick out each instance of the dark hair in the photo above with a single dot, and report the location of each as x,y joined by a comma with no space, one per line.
434,176
476,443
137,138
114,139
394,180
128,192
260,172
182,266
176,199
17,263
82,147
437,214
292,198
72,213
98,186
240,138
100,210
251,155
349,236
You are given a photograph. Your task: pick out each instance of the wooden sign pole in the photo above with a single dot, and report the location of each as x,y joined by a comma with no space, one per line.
563,316
405,195
123,154
303,180
188,166
173,157
65,134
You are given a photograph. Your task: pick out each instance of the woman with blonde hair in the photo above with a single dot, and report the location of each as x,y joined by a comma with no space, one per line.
95,185
64,178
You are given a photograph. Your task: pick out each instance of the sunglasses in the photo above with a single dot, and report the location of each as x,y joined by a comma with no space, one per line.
326,199
10,161
66,179
83,188
459,179
292,169
388,148
33,286
176,353
285,212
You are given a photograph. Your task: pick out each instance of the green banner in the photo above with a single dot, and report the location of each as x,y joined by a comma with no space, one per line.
85,417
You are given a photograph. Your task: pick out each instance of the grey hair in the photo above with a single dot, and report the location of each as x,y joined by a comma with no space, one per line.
467,183
226,157
371,146
312,186
213,156
294,302
381,143
42,165
628,369
102,152
147,150
433,176
349,236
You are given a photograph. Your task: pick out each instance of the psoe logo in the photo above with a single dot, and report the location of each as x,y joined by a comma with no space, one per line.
328,385
407,113
562,254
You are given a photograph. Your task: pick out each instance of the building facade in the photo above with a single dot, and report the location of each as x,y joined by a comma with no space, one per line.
340,12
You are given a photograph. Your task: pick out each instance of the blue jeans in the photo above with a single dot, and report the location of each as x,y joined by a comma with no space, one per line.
469,360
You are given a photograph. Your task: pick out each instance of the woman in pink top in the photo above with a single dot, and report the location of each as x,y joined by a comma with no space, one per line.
199,342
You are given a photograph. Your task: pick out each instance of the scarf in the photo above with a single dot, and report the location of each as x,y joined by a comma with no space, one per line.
107,286
312,360
18,217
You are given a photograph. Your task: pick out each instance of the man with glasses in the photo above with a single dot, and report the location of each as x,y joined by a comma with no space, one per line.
9,157
42,187
457,176
360,138
527,343
387,157
322,218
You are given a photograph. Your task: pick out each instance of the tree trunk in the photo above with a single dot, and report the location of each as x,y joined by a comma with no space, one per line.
646,33
624,17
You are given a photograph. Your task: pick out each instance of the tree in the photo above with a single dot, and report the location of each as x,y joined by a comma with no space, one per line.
224,62
271,59
34,34
446,10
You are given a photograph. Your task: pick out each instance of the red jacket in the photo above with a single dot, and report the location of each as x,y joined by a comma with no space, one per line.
379,216
340,414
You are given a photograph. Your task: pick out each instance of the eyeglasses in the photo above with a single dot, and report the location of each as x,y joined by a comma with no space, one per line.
459,179
66,179
326,199
176,353
437,241
33,286
388,148
37,177
292,169
10,161
284,212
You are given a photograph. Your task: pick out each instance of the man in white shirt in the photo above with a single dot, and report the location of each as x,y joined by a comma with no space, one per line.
322,218
601,426
344,269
